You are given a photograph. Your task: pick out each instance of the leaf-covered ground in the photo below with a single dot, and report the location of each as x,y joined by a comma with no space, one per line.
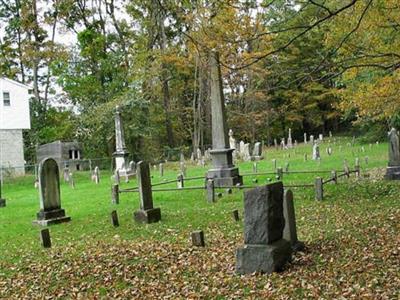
352,239
353,251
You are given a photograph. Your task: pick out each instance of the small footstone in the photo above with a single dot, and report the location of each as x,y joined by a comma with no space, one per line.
45,238
235,215
114,218
198,238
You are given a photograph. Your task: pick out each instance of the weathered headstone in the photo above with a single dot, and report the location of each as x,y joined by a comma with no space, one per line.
96,175
147,213
224,171
315,152
283,145
246,152
257,151
276,144
115,194
311,139
132,166
45,238
66,174
49,191
198,238
305,138
290,231
161,168
71,180
321,137
319,189
265,250
199,155
393,169
329,150
210,190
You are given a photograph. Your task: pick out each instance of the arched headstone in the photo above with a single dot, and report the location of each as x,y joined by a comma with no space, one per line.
49,193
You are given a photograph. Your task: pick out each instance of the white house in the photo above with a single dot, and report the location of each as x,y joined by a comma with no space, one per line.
14,117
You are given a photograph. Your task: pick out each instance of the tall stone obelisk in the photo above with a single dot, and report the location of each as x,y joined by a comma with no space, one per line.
224,171
121,155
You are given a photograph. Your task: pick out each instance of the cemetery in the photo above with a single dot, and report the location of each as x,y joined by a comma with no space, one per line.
199,149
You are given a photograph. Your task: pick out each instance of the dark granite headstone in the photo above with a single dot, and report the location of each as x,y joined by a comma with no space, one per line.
265,250
147,213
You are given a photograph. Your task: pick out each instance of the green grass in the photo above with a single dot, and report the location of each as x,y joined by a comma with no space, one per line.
89,206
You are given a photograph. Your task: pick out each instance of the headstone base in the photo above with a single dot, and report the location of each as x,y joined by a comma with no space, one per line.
56,216
392,173
263,258
2,202
225,177
147,216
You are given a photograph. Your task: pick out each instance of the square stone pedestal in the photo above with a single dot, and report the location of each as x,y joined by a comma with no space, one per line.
2,202
147,216
224,173
56,216
393,173
263,258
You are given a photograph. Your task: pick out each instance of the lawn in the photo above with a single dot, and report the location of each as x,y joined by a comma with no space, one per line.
352,237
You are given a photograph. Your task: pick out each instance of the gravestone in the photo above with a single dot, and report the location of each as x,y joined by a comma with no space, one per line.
315,152
274,164
96,175
319,189
161,167
232,143
311,139
290,231
49,193
393,169
305,138
321,137
132,166
283,145
115,194
329,151
198,238
71,180
180,181
121,154
264,248
147,213
241,149
289,140
210,190
223,171
257,151
66,174
276,144
182,158
255,167
246,152
199,155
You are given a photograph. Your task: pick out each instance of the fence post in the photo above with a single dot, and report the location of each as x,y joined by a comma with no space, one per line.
319,189
115,194
334,176
279,173
210,190
2,201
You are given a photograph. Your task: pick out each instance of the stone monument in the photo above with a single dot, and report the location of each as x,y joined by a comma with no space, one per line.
223,171
264,248
49,191
289,139
290,231
121,154
257,151
315,152
147,213
393,169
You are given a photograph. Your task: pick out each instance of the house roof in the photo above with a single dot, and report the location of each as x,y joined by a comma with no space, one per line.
17,83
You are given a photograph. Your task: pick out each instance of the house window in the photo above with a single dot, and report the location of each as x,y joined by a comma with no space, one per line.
6,99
